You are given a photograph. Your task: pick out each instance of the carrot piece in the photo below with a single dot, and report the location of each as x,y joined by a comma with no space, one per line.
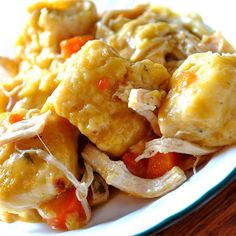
64,212
15,117
73,45
184,79
103,84
159,164
136,168
154,166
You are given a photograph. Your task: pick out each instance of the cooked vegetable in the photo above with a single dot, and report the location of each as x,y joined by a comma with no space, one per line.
116,174
138,168
73,45
160,163
139,84
15,117
38,51
81,187
51,22
153,167
103,84
65,212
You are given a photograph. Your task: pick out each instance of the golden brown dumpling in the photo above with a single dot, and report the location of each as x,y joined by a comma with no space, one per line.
39,56
49,23
27,180
200,106
86,96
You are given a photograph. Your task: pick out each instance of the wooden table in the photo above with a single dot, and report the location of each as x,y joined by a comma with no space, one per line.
217,217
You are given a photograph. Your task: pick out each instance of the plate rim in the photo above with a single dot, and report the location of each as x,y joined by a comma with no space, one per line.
207,196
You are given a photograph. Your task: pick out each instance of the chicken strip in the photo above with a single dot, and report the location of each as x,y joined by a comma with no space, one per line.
159,34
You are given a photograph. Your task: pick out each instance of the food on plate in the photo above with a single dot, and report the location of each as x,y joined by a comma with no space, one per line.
49,23
116,174
159,34
38,49
25,179
86,96
131,99
200,105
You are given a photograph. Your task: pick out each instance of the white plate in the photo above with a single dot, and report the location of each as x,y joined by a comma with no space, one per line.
124,215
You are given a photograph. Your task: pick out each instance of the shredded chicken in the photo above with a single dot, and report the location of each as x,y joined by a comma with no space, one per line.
116,174
99,189
144,102
81,187
165,145
217,43
111,91
24,129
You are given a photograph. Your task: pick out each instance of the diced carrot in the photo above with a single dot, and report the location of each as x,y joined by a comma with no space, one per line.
159,164
136,168
73,45
103,84
184,79
15,117
64,212
152,167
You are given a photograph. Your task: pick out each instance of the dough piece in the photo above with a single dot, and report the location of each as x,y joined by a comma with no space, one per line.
200,106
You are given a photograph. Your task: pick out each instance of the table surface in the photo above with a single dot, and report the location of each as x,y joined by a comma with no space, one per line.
217,217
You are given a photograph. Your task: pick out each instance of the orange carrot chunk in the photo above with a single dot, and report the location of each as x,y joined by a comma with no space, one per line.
136,168
159,164
184,80
73,45
15,117
103,84
64,212
152,167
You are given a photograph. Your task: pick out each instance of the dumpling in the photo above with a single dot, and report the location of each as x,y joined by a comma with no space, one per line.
49,23
200,106
26,180
87,96
38,46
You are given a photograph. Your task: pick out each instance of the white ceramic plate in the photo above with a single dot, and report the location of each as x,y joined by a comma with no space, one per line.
124,215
